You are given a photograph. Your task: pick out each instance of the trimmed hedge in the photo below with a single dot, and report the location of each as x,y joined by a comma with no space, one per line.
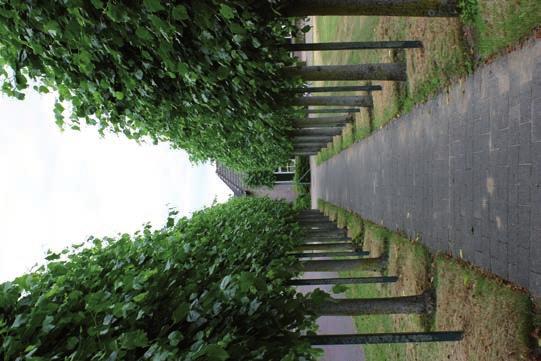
203,75
207,288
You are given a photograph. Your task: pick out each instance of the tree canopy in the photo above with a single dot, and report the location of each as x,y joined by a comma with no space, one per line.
213,287
203,75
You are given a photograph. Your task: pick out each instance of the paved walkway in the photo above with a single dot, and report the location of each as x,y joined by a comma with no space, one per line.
463,171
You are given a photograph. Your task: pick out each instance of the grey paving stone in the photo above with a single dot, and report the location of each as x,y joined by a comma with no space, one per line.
462,170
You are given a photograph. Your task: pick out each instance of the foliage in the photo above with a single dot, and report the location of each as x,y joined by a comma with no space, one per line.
201,74
302,175
469,11
207,288
260,178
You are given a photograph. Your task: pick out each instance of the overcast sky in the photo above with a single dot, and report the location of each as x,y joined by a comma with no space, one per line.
57,188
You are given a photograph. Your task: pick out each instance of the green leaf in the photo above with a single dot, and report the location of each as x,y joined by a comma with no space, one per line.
143,34
180,13
51,27
19,321
47,324
174,338
134,339
181,312
215,352
153,5
98,4
227,12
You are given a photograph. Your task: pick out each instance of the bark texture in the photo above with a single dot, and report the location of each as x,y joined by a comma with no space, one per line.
365,264
318,131
326,89
325,246
332,110
342,281
384,338
390,71
418,304
330,254
355,45
443,8
359,101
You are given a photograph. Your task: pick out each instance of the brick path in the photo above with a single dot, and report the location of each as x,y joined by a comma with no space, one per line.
463,171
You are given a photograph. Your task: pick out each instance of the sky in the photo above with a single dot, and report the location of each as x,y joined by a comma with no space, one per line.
58,188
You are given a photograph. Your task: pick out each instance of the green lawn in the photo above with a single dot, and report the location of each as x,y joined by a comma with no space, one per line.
496,318
453,47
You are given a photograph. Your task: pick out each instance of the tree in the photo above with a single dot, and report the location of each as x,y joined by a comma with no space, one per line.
201,75
371,7
213,287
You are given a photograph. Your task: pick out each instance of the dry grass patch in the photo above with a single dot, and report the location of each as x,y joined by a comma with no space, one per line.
452,48
496,318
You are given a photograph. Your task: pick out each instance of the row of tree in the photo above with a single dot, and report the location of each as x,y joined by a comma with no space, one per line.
212,77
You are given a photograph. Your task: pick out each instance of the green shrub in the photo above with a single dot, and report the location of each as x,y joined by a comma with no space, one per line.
203,75
207,288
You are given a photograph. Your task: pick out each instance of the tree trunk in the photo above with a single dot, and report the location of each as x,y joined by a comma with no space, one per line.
327,89
325,246
302,8
355,45
342,281
384,338
324,238
330,254
365,264
312,138
317,131
423,303
325,233
315,219
360,101
321,123
325,120
391,71
304,146
330,110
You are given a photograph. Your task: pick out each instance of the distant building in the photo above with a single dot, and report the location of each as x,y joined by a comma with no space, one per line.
282,189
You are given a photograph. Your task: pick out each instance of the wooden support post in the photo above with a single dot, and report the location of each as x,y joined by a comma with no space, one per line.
359,101
328,89
384,338
317,131
390,71
355,45
342,281
431,8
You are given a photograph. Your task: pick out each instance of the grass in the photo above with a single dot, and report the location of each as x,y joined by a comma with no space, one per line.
453,47
496,318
